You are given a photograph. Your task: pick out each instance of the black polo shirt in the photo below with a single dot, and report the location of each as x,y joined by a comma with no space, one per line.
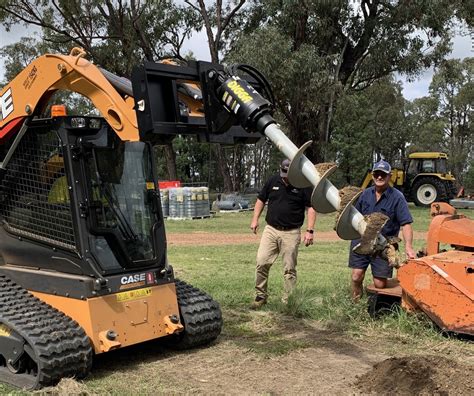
286,204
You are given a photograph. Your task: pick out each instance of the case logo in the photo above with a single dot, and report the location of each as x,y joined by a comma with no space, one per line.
125,280
6,104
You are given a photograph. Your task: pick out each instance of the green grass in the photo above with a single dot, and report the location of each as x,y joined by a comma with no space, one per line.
322,295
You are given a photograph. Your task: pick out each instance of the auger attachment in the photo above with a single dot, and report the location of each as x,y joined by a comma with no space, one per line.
254,113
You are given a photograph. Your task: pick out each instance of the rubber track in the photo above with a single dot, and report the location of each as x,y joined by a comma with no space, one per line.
61,346
201,315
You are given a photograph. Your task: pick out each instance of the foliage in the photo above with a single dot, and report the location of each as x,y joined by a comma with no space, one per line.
116,34
453,88
368,125
426,128
329,64
469,178
443,120
313,50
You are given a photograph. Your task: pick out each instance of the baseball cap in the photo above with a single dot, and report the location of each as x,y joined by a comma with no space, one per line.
383,166
285,164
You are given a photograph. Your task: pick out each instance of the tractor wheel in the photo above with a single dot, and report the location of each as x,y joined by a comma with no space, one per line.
428,190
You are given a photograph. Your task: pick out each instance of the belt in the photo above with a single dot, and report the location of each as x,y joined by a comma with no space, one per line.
280,228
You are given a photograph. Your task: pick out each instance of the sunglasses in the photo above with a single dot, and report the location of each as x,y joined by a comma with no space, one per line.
378,174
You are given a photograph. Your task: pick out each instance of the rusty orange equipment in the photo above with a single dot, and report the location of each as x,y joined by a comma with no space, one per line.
441,283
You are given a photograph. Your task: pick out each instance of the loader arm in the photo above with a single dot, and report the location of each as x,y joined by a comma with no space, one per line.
26,94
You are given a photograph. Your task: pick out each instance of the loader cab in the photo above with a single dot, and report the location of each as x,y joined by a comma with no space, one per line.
123,203
85,202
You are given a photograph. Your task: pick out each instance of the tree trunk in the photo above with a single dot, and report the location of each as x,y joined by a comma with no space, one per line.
224,169
171,161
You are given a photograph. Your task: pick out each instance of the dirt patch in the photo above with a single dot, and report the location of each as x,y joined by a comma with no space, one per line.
422,375
346,194
211,239
66,387
231,366
323,167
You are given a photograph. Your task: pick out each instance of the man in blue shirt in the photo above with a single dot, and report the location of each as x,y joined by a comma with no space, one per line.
391,202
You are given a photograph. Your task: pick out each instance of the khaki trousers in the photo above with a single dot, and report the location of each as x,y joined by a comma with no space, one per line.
273,243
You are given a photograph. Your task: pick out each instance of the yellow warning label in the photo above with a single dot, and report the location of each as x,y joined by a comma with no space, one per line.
133,294
4,331
150,185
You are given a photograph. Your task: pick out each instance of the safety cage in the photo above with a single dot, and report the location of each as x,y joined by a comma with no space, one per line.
34,195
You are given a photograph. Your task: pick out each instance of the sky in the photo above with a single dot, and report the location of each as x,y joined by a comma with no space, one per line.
463,46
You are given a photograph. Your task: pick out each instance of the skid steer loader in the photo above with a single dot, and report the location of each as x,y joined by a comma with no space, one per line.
84,268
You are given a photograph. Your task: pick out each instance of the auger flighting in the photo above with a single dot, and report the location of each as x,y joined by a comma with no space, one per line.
254,113
326,198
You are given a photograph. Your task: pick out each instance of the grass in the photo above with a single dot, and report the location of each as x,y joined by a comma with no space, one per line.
227,272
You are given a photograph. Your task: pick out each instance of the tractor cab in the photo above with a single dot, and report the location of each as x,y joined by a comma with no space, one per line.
427,178
419,163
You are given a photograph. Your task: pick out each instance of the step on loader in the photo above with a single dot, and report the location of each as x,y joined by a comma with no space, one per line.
84,268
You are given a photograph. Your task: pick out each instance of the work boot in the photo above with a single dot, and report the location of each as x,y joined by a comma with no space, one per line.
258,303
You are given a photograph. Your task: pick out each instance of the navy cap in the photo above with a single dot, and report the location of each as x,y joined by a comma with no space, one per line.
285,164
383,166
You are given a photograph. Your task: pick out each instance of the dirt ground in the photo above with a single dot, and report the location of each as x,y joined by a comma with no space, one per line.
331,365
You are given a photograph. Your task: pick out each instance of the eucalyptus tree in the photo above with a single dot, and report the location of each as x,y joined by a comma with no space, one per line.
313,51
452,88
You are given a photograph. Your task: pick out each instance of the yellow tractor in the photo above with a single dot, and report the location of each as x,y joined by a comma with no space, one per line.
423,179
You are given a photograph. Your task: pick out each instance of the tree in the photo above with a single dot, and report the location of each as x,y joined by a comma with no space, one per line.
426,127
453,89
313,51
117,35
368,125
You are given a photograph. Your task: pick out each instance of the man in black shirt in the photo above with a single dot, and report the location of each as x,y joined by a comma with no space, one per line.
282,234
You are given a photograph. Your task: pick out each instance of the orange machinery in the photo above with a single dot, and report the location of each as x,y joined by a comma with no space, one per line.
441,281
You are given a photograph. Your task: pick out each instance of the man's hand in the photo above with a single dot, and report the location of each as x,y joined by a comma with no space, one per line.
410,252
254,226
308,238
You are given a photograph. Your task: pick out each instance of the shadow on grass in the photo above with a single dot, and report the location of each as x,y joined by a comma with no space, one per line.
131,358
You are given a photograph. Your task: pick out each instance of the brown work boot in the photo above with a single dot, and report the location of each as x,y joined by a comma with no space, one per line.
258,303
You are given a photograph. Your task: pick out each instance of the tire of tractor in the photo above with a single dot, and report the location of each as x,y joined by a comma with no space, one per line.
200,315
39,344
427,190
